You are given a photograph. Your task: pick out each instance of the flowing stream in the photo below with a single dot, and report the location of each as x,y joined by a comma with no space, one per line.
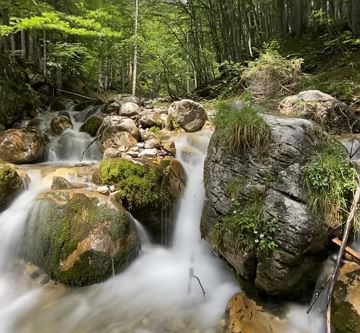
183,288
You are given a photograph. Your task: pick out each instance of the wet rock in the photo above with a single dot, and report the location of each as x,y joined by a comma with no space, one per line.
60,123
92,125
20,146
103,190
11,184
245,316
152,143
346,300
61,183
153,118
148,189
129,109
77,236
120,141
114,103
114,124
187,114
333,115
269,182
149,153
169,147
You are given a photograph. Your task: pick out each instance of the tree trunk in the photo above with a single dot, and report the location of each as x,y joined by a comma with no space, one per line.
135,47
31,52
44,54
23,44
355,17
12,45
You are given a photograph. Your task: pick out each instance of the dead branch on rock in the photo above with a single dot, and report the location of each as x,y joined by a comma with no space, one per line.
78,95
89,145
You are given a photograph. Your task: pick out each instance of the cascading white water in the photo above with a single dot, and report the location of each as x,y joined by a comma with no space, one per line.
157,293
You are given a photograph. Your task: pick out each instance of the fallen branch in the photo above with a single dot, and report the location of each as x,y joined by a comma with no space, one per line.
78,95
88,146
335,273
317,295
348,250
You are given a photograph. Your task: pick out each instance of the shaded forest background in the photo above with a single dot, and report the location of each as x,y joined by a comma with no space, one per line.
176,48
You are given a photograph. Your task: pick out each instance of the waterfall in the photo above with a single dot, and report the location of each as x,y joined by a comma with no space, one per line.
158,293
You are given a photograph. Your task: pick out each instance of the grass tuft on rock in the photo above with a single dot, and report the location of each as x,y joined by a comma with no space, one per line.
242,128
330,181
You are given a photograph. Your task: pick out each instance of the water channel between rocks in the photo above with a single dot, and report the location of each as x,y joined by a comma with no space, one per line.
157,293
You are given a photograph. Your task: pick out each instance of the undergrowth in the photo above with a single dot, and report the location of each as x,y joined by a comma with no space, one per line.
272,75
241,128
330,181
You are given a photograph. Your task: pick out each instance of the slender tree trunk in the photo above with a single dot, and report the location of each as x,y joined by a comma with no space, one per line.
355,17
23,44
4,20
12,45
31,50
135,47
44,54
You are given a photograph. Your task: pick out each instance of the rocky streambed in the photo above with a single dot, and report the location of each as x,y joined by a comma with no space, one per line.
96,199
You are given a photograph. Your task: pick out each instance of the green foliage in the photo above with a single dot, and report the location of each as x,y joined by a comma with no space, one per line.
138,185
330,181
271,74
245,225
241,128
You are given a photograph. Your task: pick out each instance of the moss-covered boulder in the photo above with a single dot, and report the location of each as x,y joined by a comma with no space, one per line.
11,185
274,189
79,237
346,300
148,189
92,125
20,146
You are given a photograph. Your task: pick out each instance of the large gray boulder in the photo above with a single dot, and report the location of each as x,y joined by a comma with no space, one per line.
333,115
129,109
187,114
20,146
115,124
277,253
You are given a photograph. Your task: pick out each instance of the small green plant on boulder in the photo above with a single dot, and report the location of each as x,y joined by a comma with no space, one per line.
245,225
330,181
242,128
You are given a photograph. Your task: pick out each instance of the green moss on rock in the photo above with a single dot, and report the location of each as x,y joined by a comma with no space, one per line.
10,184
138,185
92,125
75,235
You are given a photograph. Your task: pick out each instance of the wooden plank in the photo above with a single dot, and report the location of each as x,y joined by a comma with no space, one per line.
348,249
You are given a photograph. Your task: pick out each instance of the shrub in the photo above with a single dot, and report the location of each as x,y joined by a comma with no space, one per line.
241,128
330,182
272,75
